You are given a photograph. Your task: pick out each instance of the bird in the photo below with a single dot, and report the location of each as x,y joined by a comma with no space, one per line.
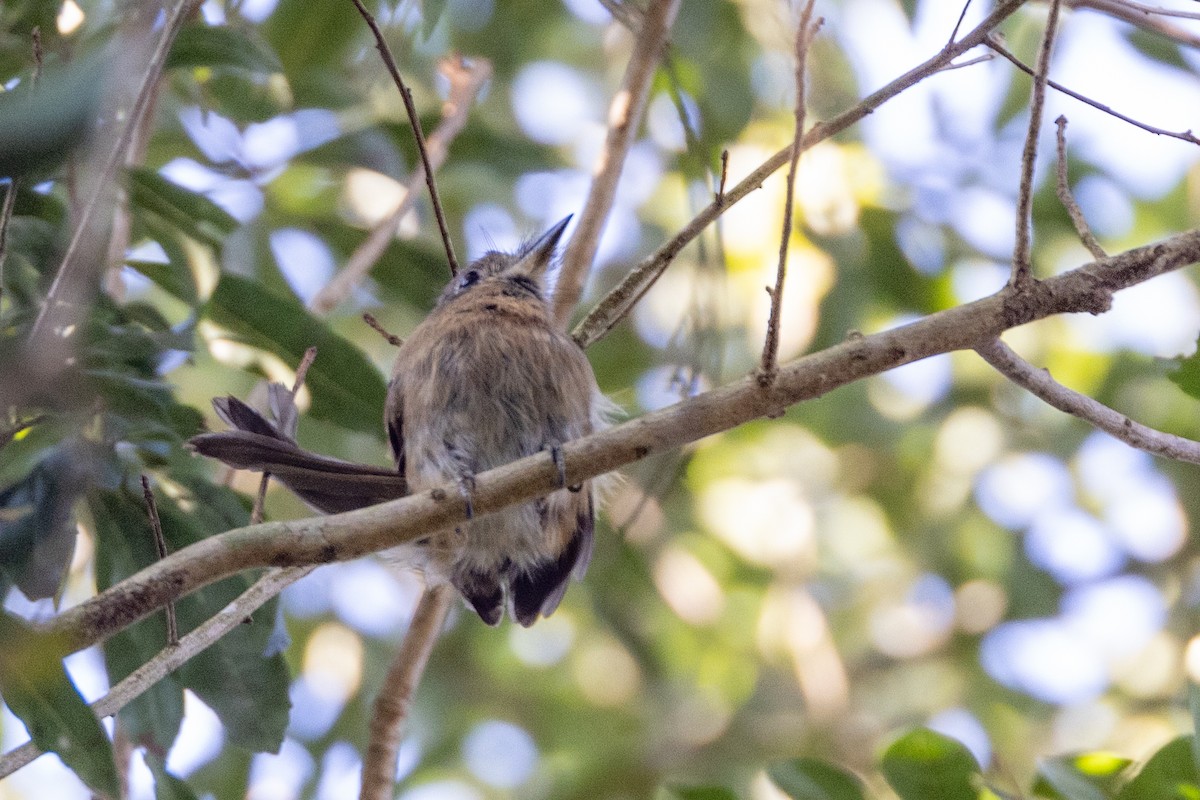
486,378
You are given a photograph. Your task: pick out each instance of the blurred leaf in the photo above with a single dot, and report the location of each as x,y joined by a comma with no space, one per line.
346,388
1089,776
431,12
166,785
922,764
307,36
695,793
37,689
1157,47
188,212
812,779
37,526
200,45
40,126
1170,774
1186,375
174,277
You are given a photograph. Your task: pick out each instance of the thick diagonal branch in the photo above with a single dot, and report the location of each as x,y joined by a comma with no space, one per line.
346,536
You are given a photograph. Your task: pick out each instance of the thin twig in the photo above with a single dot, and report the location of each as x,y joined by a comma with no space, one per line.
769,366
1186,136
962,15
69,288
392,339
968,63
36,36
385,53
395,696
720,197
466,78
160,546
170,659
1068,200
624,119
341,537
615,305
1021,273
1041,384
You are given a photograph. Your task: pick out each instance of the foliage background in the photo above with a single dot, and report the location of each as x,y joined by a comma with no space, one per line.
931,547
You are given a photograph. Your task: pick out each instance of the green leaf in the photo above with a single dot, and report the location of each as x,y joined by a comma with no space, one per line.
1088,776
166,785
188,212
37,689
812,779
675,792
1186,375
346,387
1170,774
247,689
37,526
222,46
40,125
923,764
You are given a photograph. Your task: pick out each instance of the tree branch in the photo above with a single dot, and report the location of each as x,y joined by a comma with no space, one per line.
1067,199
173,657
1021,272
342,537
618,302
624,119
74,284
395,696
770,354
1040,383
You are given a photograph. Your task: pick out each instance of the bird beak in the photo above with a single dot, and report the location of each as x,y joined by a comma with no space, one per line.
537,256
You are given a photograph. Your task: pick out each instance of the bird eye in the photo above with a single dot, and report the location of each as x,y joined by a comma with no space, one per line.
468,278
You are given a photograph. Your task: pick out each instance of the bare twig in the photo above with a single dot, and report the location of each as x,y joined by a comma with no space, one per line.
385,53
624,119
35,36
962,15
466,79
392,339
1066,198
395,696
720,197
1042,385
968,63
1000,50
1021,272
346,536
160,546
170,659
768,367
618,302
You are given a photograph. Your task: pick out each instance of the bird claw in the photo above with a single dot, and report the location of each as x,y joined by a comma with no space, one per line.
560,463
466,487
